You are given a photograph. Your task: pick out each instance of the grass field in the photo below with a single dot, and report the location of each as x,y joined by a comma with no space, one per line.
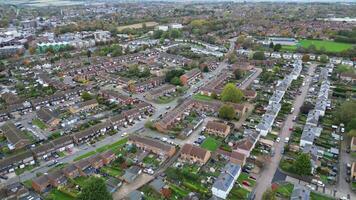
202,97
40,124
137,26
330,46
58,195
211,144
114,147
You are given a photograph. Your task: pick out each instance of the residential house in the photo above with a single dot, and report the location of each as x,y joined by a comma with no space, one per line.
217,128
226,180
349,77
48,117
194,154
154,146
189,77
162,90
13,191
107,157
234,156
57,178
84,106
85,168
96,161
41,184
116,97
21,160
15,137
71,171
43,151
353,171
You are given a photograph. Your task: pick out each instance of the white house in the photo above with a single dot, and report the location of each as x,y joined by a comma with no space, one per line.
224,183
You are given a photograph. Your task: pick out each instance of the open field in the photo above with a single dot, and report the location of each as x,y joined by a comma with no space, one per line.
329,46
137,26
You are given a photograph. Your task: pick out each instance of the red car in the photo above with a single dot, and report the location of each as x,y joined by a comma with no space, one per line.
246,183
291,129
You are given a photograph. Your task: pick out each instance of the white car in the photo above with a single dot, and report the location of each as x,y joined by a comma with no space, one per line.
123,134
278,139
286,140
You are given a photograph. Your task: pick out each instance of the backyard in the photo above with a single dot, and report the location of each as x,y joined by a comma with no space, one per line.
211,144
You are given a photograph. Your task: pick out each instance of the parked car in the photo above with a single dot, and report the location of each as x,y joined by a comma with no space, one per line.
286,140
278,139
246,183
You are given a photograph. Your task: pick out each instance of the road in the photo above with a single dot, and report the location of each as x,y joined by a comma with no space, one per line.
248,81
343,188
265,179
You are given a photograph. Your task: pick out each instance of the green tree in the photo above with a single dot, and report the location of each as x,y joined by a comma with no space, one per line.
86,96
352,133
94,189
227,112
259,55
271,45
277,47
303,165
232,58
176,81
205,69
346,112
231,93
239,74
324,58
351,125
269,194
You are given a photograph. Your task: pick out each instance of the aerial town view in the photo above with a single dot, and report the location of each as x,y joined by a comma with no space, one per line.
177,100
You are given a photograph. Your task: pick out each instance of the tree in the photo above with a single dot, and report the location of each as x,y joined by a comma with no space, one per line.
346,112
351,125
176,81
232,58
94,189
269,194
239,74
86,96
303,165
324,58
227,112
277,47
206,69
32,50
352,133
259,55
305,58
271,45
306,107
231,93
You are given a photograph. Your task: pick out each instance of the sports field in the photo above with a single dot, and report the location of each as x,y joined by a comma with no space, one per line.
330,46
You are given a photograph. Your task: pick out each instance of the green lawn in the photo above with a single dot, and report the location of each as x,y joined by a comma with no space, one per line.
164,100
40,124
238,193
211,144
202,97
90,153
285,190
329,46
58,195
115,172
245,177
316,196
114,147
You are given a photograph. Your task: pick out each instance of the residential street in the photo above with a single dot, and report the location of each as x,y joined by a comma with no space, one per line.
266,176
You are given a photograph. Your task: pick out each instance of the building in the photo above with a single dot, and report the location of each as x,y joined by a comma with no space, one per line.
21,160
353,144
189,77
13,191
71,171
84,106
226,180
15,137
217,128
194,154
234,156
41,184
162,90
349,77
152,145
353,171
48,117
116,97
